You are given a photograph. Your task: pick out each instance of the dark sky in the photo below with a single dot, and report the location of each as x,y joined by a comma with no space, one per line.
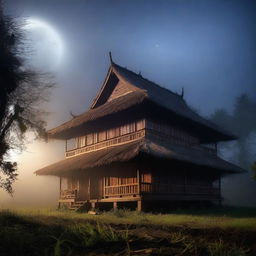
207,47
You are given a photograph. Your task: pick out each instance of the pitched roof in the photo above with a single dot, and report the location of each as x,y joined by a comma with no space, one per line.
126,152
146,91
166,98
112,107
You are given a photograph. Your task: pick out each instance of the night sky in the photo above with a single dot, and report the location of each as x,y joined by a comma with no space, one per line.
207,47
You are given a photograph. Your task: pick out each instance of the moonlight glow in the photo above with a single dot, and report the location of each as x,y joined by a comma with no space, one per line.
46,44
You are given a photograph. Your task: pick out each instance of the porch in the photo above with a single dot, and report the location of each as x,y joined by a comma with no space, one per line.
143,191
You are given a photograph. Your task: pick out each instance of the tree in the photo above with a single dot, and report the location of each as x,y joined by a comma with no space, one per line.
241,122
222,118
21,92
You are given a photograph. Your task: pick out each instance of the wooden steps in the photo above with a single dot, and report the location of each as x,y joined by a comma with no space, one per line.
77,205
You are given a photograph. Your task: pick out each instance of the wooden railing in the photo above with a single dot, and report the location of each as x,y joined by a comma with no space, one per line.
146,188
107,143
121,190
159,188
68,194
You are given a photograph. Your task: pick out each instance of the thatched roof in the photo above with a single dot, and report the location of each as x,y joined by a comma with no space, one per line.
126,152
117,105
145,91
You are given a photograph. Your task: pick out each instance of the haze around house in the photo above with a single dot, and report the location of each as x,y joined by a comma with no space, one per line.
207,47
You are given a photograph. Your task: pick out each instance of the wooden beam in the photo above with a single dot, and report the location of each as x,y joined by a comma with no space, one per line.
139,205
89,188
104,185
138,181
115,205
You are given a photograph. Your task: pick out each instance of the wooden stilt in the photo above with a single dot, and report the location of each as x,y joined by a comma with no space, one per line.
139,206
93,205
114,205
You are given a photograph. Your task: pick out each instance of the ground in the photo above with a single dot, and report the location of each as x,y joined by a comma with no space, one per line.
214,232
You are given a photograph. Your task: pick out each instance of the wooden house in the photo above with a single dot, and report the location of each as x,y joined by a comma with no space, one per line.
139,143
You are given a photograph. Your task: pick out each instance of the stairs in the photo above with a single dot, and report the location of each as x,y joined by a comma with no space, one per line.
77,205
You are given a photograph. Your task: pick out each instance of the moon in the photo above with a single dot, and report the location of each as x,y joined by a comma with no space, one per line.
44,45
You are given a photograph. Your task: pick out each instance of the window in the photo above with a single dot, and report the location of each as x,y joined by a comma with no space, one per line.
95,137
117,131
127,128
71,144
132,127
111,133
89,139
124,129
102,136
81,141
140,125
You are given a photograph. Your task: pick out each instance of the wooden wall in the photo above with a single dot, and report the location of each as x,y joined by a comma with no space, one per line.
155,177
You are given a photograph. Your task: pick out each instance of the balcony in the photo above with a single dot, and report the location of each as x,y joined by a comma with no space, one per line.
121,190
107,143
157,189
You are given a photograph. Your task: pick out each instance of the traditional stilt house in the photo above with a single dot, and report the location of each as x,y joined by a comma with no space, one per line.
139,143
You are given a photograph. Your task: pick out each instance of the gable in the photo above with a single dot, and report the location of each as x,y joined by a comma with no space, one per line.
121,89
113,87
106,90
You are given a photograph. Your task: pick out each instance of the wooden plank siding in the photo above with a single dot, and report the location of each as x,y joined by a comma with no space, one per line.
125,181
121,89
130,132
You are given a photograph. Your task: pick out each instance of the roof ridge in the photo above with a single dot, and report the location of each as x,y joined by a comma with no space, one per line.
147,80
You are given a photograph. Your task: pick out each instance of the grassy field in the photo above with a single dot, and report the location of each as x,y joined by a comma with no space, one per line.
214,232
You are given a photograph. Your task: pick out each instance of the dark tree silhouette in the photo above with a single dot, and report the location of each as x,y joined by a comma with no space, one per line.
21,92
223,118
241,122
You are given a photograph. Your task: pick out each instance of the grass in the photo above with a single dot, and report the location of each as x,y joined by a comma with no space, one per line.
218,232
229,217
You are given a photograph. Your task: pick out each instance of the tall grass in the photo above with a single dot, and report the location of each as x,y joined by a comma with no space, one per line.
219,248
122,232
242,218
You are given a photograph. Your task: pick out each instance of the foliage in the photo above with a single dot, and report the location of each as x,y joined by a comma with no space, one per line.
241,122
21,92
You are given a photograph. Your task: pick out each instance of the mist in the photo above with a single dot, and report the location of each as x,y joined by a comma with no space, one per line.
207,47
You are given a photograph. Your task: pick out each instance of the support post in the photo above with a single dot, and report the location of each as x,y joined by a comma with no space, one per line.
138,181
89,188
93,205
104,185
60,193
115,205
139,206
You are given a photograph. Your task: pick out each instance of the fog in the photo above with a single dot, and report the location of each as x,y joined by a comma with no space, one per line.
207,47
239,189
